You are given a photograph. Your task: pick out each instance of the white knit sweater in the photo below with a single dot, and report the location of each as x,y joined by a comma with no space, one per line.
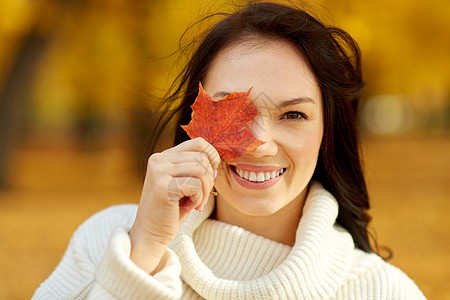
213,260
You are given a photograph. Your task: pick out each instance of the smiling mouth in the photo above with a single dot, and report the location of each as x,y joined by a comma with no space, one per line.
257,177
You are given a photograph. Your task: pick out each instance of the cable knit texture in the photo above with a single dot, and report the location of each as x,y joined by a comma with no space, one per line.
214,260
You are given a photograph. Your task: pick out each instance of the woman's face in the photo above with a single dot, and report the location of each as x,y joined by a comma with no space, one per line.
289,120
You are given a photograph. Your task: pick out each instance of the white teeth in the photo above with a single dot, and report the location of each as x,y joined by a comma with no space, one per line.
258,176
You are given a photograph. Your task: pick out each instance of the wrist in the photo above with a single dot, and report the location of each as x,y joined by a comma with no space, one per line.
146,254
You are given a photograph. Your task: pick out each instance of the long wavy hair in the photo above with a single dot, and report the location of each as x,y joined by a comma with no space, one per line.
334,58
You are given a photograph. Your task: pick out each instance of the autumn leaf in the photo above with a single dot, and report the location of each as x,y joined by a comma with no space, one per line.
225,124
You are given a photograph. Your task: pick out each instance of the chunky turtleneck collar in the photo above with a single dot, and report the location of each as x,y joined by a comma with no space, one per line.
222,261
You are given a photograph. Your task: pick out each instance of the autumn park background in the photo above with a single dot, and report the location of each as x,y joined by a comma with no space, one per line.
79,79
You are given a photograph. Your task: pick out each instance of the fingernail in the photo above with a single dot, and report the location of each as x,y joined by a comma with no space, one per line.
215,174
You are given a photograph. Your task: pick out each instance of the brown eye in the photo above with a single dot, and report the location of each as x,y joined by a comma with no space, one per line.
293,115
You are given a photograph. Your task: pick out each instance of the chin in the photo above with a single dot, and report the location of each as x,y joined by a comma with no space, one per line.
256,207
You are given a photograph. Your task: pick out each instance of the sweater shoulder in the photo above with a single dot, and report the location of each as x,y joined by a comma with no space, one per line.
90,240
370,277
110,218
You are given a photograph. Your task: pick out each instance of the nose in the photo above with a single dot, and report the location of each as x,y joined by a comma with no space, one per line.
261,130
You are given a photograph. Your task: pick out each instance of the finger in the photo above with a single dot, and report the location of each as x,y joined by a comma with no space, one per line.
160,165
194,169
199,158
199,145
184,156
181,187
204,202
181,164
191,168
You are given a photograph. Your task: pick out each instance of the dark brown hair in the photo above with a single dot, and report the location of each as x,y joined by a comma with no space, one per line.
334,58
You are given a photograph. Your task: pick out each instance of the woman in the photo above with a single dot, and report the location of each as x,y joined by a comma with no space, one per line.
289,220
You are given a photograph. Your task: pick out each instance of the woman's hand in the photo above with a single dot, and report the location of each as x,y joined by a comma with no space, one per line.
177,181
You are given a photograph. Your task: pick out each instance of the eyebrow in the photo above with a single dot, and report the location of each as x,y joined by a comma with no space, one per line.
283,104
296,101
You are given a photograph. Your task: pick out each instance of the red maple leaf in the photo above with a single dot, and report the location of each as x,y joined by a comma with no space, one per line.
225,124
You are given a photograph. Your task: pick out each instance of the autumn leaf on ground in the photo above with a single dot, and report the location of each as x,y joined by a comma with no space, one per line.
225,123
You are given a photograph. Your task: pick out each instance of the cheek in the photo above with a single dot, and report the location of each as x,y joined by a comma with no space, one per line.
304,148
222,174
313,142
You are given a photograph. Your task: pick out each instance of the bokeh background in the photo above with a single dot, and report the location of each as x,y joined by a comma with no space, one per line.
78,81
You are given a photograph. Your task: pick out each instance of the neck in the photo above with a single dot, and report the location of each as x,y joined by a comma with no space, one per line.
280,226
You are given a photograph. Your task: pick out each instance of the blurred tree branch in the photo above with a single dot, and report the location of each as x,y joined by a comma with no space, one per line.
15,93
